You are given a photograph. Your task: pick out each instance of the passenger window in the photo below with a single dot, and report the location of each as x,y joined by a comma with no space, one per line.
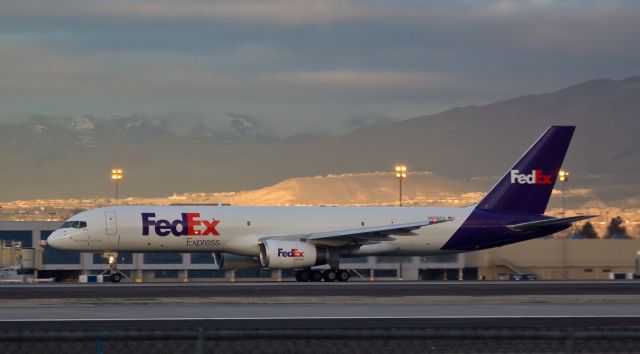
83,224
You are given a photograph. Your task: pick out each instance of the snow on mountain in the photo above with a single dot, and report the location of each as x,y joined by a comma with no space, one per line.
83,123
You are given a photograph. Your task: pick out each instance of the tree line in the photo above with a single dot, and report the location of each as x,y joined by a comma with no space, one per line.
615,230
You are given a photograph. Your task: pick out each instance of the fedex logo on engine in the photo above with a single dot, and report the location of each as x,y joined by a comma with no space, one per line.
535,177
189,225
294,253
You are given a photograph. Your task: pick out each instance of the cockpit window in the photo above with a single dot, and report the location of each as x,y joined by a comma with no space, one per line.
74,224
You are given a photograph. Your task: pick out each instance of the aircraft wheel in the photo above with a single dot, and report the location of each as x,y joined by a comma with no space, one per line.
302,275
330,275
343,275
315,275
116,277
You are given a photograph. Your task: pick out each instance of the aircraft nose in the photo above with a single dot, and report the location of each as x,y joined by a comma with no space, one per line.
56,239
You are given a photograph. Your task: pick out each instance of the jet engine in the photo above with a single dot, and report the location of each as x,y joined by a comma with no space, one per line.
230,261
281,254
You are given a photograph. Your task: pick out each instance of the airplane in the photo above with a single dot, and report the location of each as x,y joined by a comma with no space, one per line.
300,238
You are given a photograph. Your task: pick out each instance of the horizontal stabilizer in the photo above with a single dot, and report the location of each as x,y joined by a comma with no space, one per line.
533,225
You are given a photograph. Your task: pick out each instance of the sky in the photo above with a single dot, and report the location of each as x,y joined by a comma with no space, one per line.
302,66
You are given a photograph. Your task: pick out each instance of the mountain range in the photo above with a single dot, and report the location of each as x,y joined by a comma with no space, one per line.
59,157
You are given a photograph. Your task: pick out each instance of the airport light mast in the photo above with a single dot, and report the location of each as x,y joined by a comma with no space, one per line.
564,178
401,173
116,176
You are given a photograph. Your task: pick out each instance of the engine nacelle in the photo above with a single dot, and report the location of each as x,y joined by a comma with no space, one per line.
230,261
279,254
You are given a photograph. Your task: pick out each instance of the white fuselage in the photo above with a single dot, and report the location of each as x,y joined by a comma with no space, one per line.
239,230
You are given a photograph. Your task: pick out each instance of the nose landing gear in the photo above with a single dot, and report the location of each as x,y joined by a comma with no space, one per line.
114,274
115,277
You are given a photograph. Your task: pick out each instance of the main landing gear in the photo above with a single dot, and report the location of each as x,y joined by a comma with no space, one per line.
328,275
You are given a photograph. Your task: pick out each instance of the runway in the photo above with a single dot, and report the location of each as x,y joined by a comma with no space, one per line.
314,311
297,316
301,290
317,305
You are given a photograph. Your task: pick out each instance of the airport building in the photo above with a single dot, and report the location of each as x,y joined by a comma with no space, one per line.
545,259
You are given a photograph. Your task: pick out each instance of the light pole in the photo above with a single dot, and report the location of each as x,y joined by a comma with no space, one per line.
401,173
564,178
116,176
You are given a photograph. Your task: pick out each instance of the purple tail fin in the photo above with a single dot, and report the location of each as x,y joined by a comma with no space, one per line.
526,188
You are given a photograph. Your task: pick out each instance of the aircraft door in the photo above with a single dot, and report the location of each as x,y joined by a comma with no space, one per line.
112,223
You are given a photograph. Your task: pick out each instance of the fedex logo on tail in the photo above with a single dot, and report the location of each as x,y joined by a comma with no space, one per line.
535,177
189,225
294,253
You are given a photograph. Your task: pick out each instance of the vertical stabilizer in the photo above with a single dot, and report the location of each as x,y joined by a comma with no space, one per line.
527,186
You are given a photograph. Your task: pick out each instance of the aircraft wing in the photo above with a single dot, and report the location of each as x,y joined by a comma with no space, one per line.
364,235
533,225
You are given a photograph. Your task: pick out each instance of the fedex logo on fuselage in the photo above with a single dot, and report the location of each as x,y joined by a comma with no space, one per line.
535,177
189,225
294,253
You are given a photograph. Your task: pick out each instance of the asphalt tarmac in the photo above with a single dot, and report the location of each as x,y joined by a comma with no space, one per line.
350,289
295,306
315,311
297,317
